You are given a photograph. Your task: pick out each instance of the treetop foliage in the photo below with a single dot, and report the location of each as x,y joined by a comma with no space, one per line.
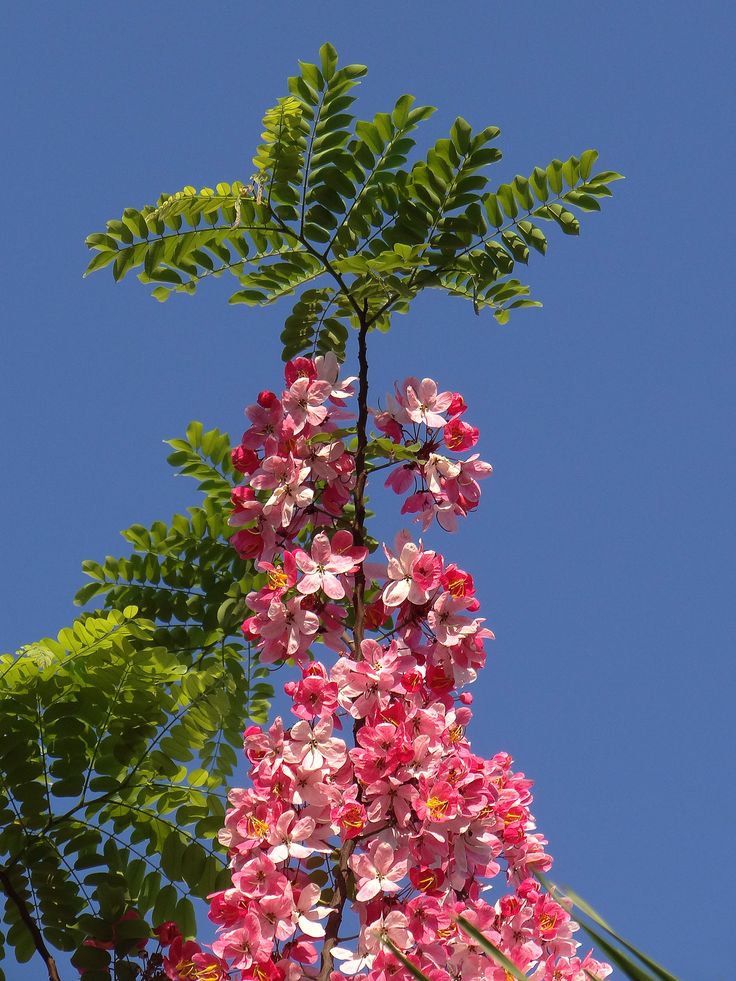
342,213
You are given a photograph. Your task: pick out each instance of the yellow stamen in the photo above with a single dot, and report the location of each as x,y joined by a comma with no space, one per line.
187,969
436,807
276,579
257,828
547,922
456,733
352,818
512,816
209,973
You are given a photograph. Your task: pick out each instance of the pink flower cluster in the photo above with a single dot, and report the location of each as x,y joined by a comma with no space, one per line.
442,487
295,473
369,822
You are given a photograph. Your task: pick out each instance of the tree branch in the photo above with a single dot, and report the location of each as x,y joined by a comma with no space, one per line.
361,475
31,925
342,869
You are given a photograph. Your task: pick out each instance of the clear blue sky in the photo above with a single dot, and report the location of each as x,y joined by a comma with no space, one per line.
604,550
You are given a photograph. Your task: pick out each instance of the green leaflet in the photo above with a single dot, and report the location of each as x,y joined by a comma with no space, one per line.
342,213
118,805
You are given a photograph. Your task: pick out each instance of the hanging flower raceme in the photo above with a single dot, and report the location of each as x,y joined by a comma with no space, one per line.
369,823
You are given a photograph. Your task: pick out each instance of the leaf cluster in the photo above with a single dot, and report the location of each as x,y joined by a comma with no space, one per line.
344,214
121,732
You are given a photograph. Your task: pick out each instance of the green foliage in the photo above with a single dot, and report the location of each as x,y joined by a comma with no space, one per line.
338,214
122,733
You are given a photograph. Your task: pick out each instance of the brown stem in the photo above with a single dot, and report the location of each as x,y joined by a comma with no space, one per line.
334,921
361,475
342,869
30,923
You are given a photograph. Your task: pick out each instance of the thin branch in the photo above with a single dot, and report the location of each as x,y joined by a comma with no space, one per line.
38,942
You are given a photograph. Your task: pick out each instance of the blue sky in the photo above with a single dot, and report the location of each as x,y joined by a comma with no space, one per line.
604,548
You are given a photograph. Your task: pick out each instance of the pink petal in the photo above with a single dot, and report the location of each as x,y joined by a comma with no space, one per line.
396,592
383,857
369,889
321,550
332,586
310,584
304,562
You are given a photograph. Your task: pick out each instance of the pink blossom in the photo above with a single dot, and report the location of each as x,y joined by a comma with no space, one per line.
424,404
322,568
447,622
286,837
403,584
459,436
304,401
378,870
290,624
313,746
265,416
243,945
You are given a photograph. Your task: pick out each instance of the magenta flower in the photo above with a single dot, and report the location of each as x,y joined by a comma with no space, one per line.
448,624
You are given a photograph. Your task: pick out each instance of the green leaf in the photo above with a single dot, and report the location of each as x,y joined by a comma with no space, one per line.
460,134
411,968
587,159
564,218
505,194
493,952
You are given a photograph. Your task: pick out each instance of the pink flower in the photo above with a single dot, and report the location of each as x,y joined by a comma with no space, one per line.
438,470
458,584
244,460
243,945
457,406
286,837
265,416
299,368
447,623
459,436
328,369
377,870
186,959
322,568
313,747
401,478
304,399
290,624
289,490
391,928
424,404
436,802
308,913
400,571
314,695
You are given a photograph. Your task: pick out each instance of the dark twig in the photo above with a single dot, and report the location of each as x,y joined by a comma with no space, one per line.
31,925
